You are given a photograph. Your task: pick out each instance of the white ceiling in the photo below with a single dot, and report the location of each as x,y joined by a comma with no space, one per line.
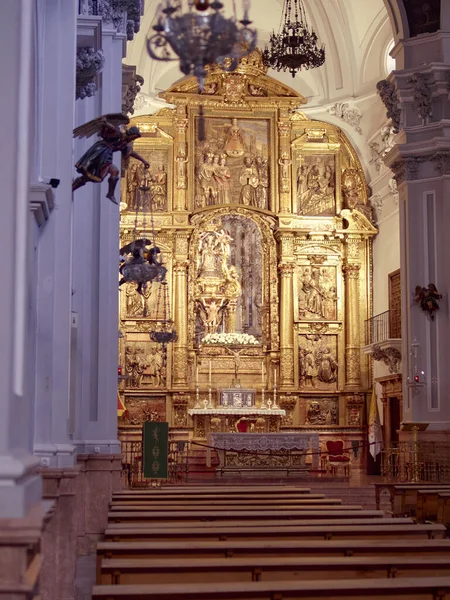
356,34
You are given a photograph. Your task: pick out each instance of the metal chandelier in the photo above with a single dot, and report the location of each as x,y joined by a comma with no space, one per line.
201,36
296,46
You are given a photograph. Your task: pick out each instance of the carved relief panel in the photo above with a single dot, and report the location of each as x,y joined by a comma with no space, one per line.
318,364
142,408
322,411
315,184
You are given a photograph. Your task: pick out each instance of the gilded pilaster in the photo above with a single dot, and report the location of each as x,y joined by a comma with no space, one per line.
180,347
181,157
352,337
284,164
287,325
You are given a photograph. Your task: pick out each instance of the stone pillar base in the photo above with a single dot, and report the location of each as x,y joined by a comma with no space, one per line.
19,547
60,536
100,476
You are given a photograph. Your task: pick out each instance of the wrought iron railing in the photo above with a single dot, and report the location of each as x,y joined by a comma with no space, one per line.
132,466
382,327
415,461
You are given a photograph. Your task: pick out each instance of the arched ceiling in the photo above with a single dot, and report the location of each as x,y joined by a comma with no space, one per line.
356,34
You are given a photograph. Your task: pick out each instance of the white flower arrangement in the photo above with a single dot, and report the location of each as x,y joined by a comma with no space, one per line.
230,339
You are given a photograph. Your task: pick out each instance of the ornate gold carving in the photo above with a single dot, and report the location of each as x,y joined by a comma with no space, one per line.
179,410
288,403
322,411
351,271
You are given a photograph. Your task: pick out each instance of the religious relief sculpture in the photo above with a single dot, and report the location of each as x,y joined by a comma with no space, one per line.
317,293
96,163
232,166
218,284
136,362
323,411
317,362
316,185
154,182
353,192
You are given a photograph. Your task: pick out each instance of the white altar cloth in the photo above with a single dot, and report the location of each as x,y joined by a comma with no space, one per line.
279,412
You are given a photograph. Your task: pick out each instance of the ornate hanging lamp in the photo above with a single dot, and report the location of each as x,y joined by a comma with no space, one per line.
201,36
296,46
164,333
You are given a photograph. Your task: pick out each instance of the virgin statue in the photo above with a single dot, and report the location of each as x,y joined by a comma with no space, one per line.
234,142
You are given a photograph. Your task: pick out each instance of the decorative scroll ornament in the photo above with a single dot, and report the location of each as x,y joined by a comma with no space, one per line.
130,93
422,96
200,37
442,160
348,114
389,96
124,15
296,46
90,63
394,190
377,203
427,298
390,356
376,155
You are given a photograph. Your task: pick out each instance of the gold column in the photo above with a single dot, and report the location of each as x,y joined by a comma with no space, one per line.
287,325
284,162
352,325
180,347
181,158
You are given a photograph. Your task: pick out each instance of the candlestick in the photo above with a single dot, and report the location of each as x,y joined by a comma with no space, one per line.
210,373
263,399
197,397
196,376
275,378
210,398
262,374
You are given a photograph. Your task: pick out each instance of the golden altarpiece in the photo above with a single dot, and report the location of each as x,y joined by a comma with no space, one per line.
265,229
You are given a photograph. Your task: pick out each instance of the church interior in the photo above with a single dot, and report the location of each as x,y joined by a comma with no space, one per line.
223,342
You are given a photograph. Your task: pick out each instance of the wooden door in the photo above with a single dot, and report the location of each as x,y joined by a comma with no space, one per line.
395,306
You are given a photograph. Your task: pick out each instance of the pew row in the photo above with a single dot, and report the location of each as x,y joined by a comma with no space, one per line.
426,588
209,570
227,504
311,532
403,498
244,515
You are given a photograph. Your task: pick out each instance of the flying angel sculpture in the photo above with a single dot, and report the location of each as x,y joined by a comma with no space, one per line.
97,162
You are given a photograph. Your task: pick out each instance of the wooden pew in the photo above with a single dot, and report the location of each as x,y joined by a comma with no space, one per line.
271,525
238,515
266,504
281,508
403,497
192,498
262,548
275,568
426,588
444,508
342,531
215,490
427,504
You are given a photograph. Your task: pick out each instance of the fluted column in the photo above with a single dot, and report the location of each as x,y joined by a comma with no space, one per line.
352,326
181,157
284,163
287,325
180,354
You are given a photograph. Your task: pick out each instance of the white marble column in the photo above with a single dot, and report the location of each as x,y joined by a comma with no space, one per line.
56,102
20,487
417,98
95,294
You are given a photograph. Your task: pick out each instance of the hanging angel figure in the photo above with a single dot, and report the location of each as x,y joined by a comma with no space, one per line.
428,299
97,162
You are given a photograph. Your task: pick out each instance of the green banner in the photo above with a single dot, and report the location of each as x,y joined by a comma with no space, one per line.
155,441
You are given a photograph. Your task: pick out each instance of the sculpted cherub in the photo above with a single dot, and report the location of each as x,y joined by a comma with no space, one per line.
96,163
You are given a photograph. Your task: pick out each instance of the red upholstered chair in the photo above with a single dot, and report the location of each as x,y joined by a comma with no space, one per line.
337,459
245,425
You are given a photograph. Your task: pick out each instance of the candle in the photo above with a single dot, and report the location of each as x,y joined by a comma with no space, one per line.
196,377
275,378
210,373
262,374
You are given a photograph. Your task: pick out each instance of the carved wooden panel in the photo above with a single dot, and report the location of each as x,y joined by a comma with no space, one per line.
395,306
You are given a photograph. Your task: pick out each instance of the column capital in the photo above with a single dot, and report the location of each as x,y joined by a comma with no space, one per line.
351,270
286,269
179,266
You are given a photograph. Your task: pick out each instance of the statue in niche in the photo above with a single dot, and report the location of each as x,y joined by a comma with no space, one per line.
211,313
209,262
208,183
234,140
135,364
318,296
284,163
156,371
158,186
181,161
249,180
316,186
134,179
262,191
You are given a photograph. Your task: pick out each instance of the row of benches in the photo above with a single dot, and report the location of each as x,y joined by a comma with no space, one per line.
271,542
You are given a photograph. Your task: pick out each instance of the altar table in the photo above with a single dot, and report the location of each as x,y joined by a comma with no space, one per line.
264,443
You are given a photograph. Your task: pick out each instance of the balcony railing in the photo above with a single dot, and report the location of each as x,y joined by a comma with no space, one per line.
424,462
382,327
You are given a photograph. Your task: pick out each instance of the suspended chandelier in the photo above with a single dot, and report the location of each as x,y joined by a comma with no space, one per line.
201,36
296,46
